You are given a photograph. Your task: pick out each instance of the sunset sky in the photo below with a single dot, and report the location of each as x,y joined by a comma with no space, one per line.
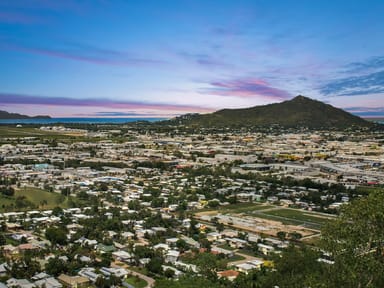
161,58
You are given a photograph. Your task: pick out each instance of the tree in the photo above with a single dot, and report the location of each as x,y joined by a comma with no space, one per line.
187,281
66,191
56,235
3,227
169,273
355,241
7,191
57,211
100,282
3,241
55,266
154,265
25,267
297,267
295,235
281,235
220,227
213,204
204,242
254,279
182,245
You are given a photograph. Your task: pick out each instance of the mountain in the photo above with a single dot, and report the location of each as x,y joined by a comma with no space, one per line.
297,112
7,115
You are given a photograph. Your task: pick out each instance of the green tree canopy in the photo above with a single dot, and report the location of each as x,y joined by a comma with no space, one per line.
356,243
57,235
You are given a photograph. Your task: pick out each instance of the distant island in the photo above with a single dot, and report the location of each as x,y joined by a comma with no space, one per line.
299,112
7,115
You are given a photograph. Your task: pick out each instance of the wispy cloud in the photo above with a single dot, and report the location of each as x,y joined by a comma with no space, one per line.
369,65
12,99
372,83
83,53
204,59
246,88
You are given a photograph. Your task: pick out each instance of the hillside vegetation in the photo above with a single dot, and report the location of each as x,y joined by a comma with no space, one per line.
298,112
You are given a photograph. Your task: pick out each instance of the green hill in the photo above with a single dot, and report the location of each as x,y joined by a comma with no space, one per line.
298,112
7,115
28,198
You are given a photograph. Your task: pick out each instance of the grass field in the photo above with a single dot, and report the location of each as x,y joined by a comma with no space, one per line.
298,215
7,131
13,132
136,282
294,217
40,198
242,208
236,257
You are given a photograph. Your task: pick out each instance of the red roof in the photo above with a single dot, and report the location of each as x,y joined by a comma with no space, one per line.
228,273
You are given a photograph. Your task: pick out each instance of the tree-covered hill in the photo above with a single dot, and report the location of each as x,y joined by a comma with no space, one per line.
298,112
7,115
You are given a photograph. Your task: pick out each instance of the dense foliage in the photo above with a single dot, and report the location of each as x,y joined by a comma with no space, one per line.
298,112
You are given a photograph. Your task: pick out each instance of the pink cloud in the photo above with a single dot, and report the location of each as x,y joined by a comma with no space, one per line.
246,88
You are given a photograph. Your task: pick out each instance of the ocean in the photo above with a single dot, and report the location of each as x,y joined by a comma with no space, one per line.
77,120
98,120
377,120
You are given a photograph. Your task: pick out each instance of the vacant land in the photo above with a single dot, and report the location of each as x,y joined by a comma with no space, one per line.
37,197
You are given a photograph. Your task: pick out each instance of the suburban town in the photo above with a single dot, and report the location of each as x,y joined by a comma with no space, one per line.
134,206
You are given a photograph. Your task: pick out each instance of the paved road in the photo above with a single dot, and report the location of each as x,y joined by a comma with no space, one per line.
150,281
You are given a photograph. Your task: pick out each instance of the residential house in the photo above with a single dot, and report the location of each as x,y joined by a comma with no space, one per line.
228,274
122,256
265,249
73,281
172,256
48,283
19,283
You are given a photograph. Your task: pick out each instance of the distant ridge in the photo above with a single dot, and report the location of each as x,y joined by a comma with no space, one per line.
7,115
298,112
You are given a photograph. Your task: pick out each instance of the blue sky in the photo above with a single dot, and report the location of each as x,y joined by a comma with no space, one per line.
165,58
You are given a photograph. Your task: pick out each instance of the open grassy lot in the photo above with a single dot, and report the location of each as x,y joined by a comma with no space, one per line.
136,282
12,131
6,201
41,199
242,208
236,257
295,217
37,196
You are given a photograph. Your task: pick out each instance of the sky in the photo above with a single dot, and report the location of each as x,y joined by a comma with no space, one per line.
126,58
